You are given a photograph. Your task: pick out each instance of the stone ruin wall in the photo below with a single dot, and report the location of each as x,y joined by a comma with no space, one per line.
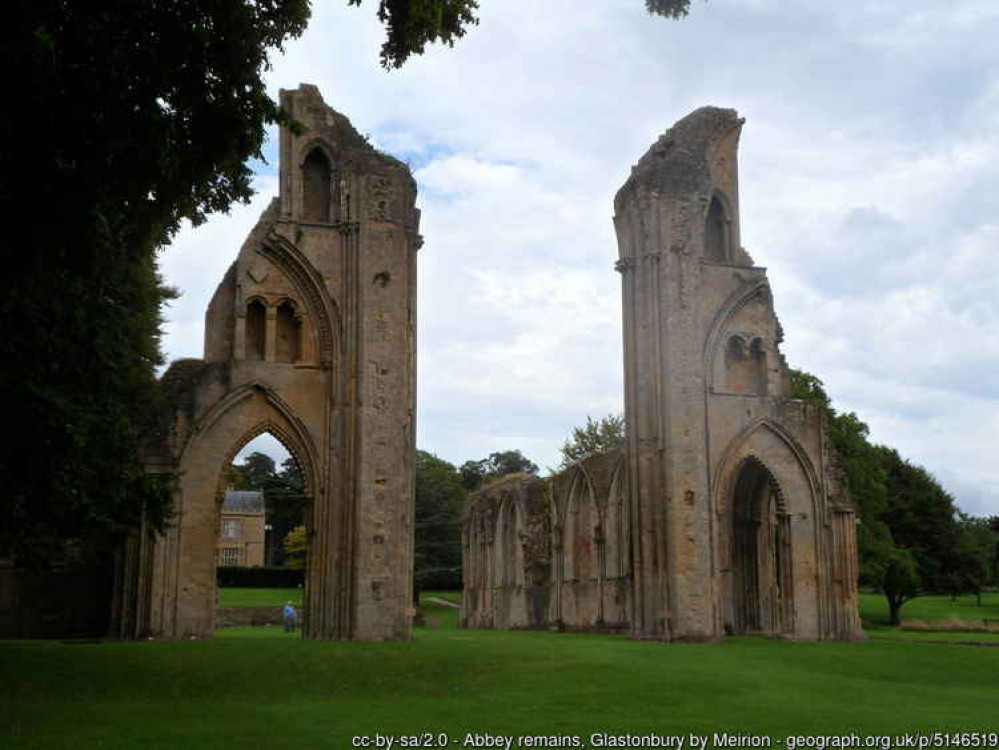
311,337
550,553
729,507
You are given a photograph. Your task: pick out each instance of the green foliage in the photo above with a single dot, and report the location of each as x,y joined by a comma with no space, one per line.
922,518
675,9
806,386
284,496
898,578
133,118
440,500
411,24
865,476
909,538
296,548
600,436
476,473
258,577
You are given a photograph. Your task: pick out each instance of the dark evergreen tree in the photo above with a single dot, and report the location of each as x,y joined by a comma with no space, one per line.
440,501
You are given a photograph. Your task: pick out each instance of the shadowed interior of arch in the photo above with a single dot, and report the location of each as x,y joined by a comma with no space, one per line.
261,535
760,599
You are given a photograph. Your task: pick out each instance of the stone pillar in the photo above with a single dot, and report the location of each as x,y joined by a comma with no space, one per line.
270,335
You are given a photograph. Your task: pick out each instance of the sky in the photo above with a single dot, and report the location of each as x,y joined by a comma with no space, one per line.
868,166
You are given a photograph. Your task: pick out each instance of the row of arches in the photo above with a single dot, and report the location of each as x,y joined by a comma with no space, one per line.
551,551
579,572
287,331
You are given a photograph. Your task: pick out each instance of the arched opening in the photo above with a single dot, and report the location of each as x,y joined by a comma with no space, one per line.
261,538
316,187
513,551
745,367
716,232
762,599
256,330
758,367
289,333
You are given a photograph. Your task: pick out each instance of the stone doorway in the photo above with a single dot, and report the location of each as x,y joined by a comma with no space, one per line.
761,554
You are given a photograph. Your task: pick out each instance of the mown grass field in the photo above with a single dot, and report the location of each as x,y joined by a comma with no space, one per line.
246,597
261,688
874,608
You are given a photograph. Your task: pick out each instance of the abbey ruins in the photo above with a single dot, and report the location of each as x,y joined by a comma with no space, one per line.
311,338
724,514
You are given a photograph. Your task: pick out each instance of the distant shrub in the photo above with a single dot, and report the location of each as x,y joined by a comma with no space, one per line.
259,577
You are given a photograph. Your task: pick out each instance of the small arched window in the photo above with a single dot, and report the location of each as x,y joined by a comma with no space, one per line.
289,335
758,364
256,330
716,232
745,370
317,176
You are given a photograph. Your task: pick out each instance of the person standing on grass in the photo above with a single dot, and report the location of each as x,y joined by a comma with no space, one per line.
289,618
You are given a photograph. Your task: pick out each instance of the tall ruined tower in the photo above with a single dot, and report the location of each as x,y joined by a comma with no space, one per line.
311,338
738,520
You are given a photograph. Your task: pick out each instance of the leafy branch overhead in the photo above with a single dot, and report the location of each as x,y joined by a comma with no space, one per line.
669,8
411,24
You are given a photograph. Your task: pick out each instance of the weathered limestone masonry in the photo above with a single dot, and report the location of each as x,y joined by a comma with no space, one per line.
310,337
738,521
550,553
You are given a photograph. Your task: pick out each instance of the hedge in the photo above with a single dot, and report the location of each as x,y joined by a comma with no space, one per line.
445,579
259,577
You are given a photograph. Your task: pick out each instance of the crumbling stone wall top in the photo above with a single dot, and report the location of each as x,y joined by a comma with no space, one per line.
678,162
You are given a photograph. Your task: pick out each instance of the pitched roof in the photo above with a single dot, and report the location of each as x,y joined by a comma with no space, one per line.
243,501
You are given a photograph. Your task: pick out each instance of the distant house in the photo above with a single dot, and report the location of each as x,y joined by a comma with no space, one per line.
241,529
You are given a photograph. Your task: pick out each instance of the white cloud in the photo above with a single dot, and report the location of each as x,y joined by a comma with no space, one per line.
867,187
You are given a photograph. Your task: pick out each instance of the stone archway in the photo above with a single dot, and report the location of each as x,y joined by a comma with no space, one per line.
762,596
769,521
310,336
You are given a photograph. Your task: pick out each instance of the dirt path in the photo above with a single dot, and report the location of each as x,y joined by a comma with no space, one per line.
445,602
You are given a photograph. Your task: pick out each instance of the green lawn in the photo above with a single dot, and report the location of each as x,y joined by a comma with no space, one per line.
438,615
240,597
874,608
258,688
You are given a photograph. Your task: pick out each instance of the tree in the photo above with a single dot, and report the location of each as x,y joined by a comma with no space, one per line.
976,556
668,8
922,518
296,547
132,118
899,580
285,500
907,538
258,468
284,497
440,501
601,436
411,24
476,473
866,477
